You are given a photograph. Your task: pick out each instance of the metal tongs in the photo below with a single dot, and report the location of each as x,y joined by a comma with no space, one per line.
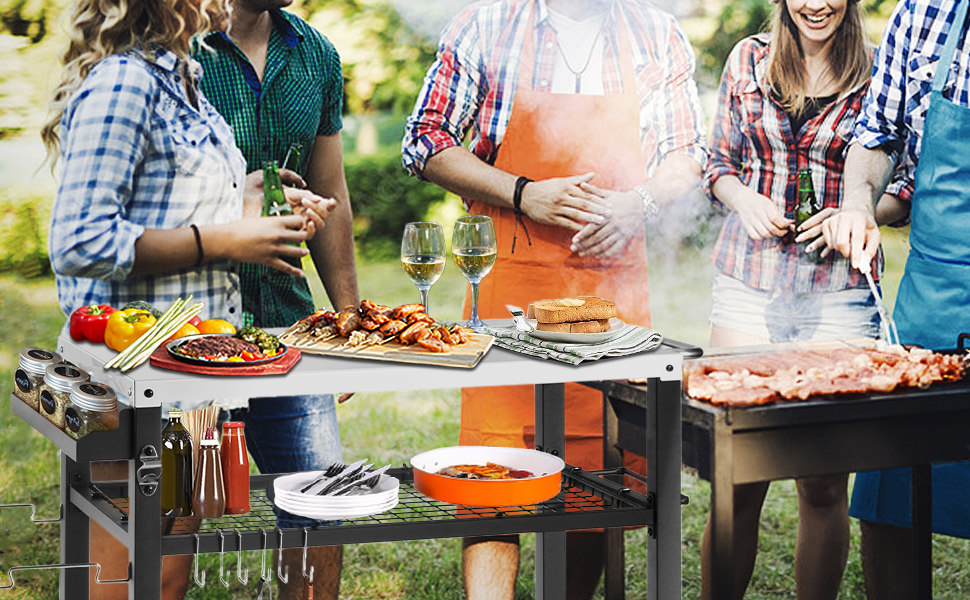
888,324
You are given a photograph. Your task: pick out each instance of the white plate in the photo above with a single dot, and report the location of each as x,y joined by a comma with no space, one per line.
386,488
328,514
616,327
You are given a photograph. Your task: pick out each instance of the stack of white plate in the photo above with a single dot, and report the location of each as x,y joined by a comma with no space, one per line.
378,499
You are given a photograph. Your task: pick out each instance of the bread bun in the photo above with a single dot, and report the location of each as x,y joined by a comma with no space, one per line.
570,310
595,326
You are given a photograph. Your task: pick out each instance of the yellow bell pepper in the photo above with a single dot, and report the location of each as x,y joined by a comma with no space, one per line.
126,326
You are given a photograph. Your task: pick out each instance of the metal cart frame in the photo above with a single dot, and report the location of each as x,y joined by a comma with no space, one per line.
588,500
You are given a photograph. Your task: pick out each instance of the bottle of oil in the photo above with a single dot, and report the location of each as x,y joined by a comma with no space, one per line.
176,467
807,208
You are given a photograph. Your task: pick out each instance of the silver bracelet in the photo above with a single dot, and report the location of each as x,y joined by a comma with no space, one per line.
650,208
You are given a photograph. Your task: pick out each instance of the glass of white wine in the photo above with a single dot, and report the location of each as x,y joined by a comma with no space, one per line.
423,255
475,249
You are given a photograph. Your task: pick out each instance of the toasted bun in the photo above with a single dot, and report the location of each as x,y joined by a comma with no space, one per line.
595,326
567,310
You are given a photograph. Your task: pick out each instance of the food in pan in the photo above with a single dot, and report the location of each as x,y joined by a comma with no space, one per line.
267,342
487,471
221,347
372,324
799,375
582,314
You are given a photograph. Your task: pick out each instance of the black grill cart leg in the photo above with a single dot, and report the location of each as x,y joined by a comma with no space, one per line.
551,437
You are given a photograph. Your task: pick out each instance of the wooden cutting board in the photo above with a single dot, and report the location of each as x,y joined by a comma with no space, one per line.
464,355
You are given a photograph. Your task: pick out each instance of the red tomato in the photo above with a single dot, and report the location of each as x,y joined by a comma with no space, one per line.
195,321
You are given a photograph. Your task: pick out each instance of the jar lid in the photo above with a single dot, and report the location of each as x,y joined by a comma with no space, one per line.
174,412
209,443
89,395
232,425
35,360
62,375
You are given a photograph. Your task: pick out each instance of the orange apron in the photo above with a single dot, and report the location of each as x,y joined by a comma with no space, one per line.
559,135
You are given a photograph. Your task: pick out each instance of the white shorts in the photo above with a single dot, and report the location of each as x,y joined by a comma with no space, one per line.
780,316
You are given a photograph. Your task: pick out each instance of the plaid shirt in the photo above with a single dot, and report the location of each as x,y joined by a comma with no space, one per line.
137,155
894,110
300,97
472,84
753,141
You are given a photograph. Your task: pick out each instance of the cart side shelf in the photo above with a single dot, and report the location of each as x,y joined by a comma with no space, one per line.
589,501
115,444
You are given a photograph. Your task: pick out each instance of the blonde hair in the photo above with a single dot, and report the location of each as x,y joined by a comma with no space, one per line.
849,58
100,28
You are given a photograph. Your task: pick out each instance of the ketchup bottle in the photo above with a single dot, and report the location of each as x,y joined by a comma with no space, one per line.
235,468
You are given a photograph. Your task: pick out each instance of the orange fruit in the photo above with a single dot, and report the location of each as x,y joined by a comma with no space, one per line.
216,326
184,330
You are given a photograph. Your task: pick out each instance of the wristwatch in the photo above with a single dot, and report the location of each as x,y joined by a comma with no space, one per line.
650,208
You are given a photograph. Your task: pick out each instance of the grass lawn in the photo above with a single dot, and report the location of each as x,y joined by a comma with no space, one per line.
391,427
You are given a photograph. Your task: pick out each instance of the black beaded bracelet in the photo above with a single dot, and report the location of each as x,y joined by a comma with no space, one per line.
198,245
520,184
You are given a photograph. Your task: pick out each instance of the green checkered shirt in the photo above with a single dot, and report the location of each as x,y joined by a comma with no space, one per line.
299,98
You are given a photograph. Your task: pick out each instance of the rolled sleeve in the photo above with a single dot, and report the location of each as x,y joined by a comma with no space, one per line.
449,99
726,140
683,118
105,126
881,124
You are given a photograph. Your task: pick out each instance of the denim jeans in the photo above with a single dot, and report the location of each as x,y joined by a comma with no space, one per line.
287,434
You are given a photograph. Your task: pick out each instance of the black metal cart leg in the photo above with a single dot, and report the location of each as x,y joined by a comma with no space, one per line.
722,512
923,530
663,482
550,403
614,554
74,533
145,510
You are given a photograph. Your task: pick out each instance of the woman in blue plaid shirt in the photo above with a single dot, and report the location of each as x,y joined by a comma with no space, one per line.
150,204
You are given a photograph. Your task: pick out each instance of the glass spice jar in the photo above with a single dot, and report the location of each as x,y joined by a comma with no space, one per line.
29,377
92,407
55,392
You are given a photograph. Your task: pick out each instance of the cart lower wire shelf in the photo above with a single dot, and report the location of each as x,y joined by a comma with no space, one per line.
588,499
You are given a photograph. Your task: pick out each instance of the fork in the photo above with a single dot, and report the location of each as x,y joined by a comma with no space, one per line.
331,471
368,481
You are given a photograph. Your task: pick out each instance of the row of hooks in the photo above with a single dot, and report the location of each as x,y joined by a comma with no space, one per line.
97,573
225,578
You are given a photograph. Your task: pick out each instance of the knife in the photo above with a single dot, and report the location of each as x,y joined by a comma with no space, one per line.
519,317
345,471
343,477
347,489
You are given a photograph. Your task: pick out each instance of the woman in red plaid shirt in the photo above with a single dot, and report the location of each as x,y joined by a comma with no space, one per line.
788,101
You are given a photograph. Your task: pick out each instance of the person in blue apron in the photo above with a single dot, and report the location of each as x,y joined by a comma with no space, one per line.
917,111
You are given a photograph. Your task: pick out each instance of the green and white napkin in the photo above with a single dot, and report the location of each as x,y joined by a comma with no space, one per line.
632,339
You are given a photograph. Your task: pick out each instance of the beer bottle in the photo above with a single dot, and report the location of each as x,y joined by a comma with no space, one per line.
176,467
807,207
292,160
274,202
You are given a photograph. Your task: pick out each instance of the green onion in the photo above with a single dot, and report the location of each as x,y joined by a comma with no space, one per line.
171,321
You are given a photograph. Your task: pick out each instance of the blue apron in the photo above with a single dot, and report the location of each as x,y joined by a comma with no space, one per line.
933,303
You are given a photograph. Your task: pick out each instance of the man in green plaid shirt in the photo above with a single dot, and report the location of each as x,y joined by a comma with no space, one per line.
276,81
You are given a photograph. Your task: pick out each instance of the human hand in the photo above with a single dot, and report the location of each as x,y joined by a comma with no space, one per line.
270,241
315,209
760,216
811,229
562,202
292,179
854,233
610,237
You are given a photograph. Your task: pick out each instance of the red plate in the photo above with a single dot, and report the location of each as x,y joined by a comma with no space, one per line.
488,492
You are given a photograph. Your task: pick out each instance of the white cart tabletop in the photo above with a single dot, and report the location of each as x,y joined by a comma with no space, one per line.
148,386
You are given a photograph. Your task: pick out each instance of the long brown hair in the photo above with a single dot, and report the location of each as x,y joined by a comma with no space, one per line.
849,58
100,28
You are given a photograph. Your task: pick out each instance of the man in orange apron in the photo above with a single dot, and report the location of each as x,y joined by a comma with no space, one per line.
585,118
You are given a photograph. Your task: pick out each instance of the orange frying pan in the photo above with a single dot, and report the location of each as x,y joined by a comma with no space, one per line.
488,492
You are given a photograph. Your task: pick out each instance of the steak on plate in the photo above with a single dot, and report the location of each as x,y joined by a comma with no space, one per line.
217,345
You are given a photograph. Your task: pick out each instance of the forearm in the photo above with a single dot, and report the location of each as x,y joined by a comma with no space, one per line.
160,251
891,209
867,173
728,189
332,251
461,172
674,178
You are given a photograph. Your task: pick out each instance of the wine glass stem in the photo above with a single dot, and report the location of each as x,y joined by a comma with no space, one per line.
474,318
424,299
